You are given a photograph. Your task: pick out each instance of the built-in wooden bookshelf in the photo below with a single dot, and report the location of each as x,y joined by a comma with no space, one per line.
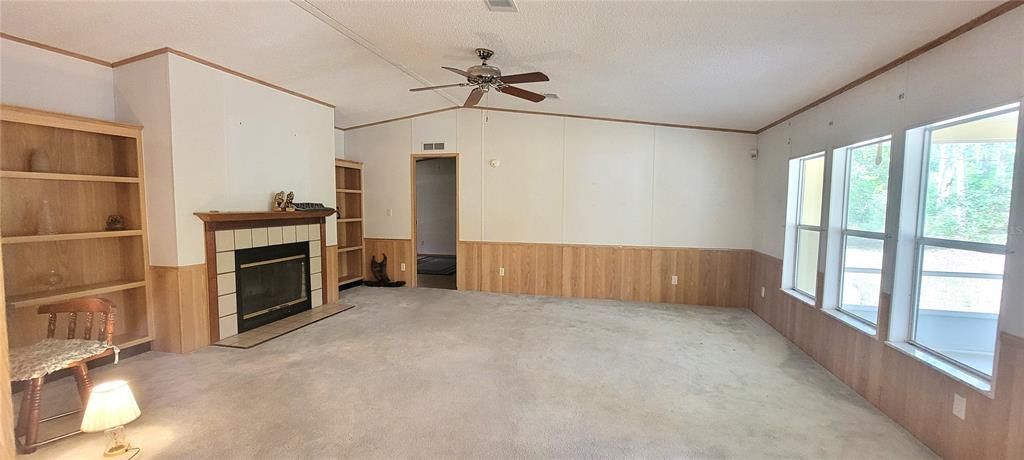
348,177
84,170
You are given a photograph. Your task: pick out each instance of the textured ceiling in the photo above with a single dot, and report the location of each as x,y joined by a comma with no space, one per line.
734,65
274,41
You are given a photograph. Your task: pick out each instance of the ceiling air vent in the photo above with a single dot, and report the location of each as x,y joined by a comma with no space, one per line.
502,6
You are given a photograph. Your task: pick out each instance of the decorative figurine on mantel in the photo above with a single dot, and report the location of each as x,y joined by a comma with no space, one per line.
284,202
289,202
278,201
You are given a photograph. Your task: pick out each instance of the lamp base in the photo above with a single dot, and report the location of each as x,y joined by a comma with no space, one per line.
116,451
118,444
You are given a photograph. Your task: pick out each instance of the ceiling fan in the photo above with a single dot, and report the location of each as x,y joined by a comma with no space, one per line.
485,77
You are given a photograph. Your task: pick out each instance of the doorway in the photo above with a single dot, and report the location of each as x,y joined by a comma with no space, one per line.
435,220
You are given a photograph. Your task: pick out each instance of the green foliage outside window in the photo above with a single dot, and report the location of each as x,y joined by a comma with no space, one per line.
869,185
969,190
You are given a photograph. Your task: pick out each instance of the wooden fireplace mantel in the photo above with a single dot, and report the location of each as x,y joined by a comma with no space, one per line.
230,220
242,216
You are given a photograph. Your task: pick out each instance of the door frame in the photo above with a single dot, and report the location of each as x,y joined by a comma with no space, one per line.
414,277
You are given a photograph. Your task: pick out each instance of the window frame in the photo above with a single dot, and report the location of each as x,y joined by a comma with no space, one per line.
921,241
798,226
845,232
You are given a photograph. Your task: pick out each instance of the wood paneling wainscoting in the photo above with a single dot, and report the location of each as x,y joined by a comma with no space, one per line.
6,404
330,268
913,394
715,277
398,251
181,306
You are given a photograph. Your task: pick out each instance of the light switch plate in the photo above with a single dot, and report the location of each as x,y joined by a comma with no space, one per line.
403,267
959,406
762,292
675,279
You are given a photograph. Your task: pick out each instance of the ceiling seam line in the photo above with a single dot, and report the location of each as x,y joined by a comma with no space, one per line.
327,19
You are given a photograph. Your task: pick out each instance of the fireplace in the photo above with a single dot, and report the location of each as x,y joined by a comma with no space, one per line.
264,266
272,282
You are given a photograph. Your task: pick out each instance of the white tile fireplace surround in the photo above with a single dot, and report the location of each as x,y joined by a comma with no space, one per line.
228,242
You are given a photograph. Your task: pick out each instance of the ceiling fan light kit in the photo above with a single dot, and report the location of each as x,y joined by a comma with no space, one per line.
484,77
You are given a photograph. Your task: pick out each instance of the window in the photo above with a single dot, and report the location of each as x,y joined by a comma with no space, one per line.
809,174
963,210
865,181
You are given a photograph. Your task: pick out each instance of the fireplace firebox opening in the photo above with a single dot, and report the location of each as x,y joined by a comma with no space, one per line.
272,283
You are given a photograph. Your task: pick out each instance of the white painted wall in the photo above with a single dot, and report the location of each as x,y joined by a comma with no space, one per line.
383,149
39,79
435,206
608,193
703,189
232,144
339,143
981,69
236,143
522,196
567,180
469,129
143,96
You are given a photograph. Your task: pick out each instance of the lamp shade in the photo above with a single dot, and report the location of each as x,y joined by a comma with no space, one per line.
111,404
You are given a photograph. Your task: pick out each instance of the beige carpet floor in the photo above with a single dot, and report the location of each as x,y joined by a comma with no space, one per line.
428,373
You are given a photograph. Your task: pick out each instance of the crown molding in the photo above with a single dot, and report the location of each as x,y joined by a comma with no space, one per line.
964,28
404,117
618,120
551,114
219,67
54,49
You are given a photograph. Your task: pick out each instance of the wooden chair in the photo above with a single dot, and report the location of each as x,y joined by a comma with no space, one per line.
34,362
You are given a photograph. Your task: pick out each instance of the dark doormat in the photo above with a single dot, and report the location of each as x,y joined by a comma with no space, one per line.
436,265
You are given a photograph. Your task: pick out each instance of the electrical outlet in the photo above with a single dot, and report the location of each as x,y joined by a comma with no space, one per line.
762,292
959,406
501,271
403,267
675,279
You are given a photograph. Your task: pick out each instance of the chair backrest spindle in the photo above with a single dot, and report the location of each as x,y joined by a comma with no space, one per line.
103,326
72,323
89,306
51,326
88,326
109,337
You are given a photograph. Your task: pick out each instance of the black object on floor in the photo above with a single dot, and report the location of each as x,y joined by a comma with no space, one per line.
436,265
379,270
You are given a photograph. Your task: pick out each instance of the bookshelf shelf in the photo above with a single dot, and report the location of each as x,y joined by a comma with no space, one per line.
77,172
349,186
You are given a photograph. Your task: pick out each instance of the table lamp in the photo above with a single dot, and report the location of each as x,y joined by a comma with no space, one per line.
111,406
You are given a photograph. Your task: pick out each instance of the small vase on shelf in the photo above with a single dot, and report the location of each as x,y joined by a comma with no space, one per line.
53,279
39,162
46,224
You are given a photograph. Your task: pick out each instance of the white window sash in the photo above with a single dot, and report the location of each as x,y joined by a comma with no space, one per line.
921,241
847,232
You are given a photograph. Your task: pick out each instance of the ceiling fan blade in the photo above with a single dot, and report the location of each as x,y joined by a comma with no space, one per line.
458,71
524,78
474,97
522,93
439,86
